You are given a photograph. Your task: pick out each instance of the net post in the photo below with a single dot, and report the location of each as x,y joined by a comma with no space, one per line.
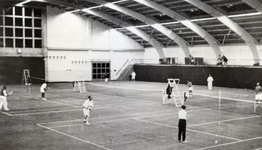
254,107
219,99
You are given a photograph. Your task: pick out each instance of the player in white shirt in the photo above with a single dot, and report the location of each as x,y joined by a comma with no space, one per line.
87,106
133,77
3,98
258,94
210,82
190,88
42,90
182,116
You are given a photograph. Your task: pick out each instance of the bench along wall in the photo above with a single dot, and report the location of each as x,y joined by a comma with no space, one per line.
235,77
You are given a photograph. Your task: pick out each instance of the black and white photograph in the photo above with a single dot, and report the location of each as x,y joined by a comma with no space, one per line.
131,74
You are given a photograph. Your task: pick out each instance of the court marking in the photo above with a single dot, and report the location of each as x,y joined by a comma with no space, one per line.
234,142
56,122
52,129
38,110
79,139
227,120
57,102
112,116
47,112
138,118
5,113
188,129
65,110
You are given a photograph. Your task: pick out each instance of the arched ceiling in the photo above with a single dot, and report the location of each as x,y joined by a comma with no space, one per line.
203,22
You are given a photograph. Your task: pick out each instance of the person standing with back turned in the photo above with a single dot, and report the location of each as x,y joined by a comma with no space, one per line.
182,116
133,78
210,82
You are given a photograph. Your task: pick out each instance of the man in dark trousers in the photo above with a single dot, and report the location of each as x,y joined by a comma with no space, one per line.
169,91
182,116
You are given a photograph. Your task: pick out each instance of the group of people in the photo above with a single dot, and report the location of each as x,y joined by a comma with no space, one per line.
182,114
222,60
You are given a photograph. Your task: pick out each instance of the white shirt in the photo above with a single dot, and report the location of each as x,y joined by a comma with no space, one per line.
133,75
182,114
210,79
42,88
88,103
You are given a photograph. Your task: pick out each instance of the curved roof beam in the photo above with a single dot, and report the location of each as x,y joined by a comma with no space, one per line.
117,21
191,25
229,23
257,5
132,29
169,33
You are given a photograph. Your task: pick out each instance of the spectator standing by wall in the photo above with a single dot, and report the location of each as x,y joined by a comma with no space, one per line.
210,82
133,78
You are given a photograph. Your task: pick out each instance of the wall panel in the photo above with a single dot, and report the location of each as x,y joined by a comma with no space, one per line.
235,77
11,69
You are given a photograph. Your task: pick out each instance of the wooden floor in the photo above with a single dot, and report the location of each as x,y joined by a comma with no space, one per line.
128,117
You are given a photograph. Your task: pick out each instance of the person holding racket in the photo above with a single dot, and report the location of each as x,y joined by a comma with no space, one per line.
3,98
87,106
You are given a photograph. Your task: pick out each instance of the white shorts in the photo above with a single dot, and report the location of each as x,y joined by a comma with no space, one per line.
258,96
86,112
190,88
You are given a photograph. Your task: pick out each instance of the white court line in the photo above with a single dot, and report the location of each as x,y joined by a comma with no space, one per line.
100,146
6,113
47,112
223,121
58,111
55,111
114,119
258,149
104,117
225,144
57,102
38,110
188,129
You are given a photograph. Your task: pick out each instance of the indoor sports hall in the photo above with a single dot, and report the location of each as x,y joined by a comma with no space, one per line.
146,66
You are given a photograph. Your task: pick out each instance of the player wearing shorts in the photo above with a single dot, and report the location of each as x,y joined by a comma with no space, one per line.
87,106
3,98
258,94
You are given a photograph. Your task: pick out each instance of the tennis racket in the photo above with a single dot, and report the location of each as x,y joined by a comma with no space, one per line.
10,93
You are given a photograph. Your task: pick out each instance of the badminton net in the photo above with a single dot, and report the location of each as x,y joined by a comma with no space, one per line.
224,103
148,95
